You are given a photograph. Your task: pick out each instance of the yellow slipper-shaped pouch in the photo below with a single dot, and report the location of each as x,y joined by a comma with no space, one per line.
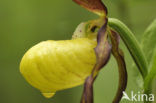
51,66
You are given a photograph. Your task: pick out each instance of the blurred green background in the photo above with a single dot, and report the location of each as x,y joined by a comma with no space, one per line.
24,23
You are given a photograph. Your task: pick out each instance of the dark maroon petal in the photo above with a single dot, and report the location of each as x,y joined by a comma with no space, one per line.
103,51
103,48
87,96
118,54
95,6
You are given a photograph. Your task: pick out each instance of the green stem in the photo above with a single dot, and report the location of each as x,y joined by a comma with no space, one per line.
131,43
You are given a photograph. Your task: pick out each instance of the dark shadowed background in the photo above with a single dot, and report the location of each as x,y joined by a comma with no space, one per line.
24,23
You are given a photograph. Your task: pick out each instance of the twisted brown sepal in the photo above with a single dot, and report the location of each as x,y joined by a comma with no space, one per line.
103,51
118,54
87,96
95,6
103,48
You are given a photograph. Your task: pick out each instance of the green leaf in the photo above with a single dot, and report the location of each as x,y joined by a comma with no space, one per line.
149,48
149,41
154,85
150,81
131,43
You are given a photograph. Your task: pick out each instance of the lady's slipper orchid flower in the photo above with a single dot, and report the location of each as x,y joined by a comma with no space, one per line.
56,65
51,65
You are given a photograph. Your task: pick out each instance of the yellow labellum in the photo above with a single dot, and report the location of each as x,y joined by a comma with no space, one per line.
48,95
55,65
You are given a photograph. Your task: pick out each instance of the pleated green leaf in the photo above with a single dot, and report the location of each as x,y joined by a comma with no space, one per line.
149,41
149,48
150,81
